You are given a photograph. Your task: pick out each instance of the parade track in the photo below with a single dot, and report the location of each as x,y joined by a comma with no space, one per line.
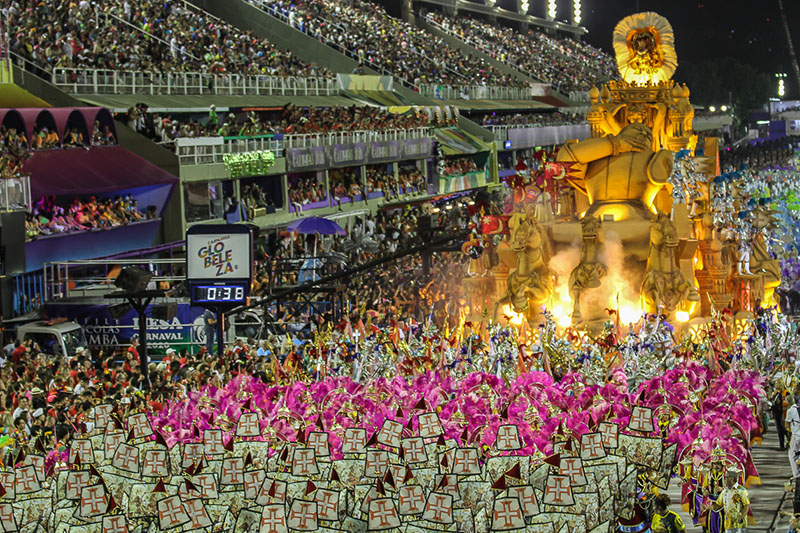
774,471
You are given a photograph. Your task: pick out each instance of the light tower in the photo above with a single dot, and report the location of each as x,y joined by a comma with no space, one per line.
552,9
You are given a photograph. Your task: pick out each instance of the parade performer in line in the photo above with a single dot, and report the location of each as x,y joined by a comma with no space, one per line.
664,520
735,502
709,516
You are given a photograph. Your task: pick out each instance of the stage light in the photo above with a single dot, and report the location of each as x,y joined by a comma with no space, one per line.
781,88
524,6
576,12
712,108
552,9
724,108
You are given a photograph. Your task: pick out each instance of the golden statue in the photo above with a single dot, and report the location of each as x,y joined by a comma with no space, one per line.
620,174
645,47
665,287
760,260
590,270
530,285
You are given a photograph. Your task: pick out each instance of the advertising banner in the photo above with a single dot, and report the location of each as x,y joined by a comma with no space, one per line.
384,151
308,158
417,148
103,329
347,154
353,154
218,257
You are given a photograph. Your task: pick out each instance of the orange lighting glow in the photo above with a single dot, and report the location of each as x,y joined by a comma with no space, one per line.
516,318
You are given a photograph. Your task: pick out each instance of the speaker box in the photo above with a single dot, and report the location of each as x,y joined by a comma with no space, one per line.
12,242
133,279
119,310
424,228
167,311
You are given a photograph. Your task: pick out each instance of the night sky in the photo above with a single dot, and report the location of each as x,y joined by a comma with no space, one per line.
749,30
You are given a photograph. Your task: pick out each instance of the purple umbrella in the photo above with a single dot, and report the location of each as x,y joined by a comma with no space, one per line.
320,225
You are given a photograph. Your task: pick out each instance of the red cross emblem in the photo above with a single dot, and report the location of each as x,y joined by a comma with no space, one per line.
76,482
248,425
414,450
439,508
8,481
465,462
196,512
26,481
171,513
507,514
272,491
557,491
390,433
102,415
273,519
508,437
354,441
115,524
208,482
319,441
382,514
93,501
140,425
155,463
572,467
37,462
126,458
232,469
411,499
303,515
429,425
448,484
377,463
253,479
610,433
113,439
592,446
7,520
81,448
192,454
187,493
527,499
212,442
398,473
641,419
304,462
327,504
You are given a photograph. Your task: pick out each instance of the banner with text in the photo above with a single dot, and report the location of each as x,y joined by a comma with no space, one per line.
343,155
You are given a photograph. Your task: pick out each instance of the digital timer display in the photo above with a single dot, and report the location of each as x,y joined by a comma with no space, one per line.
219,293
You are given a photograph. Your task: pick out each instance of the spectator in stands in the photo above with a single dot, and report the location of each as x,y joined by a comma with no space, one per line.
567,64
47,218
758,154
366,33
554,118
169,36
292,120
458,166
304,191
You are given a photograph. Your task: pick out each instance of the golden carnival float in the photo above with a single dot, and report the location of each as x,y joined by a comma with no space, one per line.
628,221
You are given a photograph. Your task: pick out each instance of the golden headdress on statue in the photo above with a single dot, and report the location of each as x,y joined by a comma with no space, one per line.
645,48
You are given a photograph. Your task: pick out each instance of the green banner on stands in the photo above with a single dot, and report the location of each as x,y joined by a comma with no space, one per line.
249,163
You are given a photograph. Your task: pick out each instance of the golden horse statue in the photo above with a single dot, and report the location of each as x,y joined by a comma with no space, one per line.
590,269
664,287
530,285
